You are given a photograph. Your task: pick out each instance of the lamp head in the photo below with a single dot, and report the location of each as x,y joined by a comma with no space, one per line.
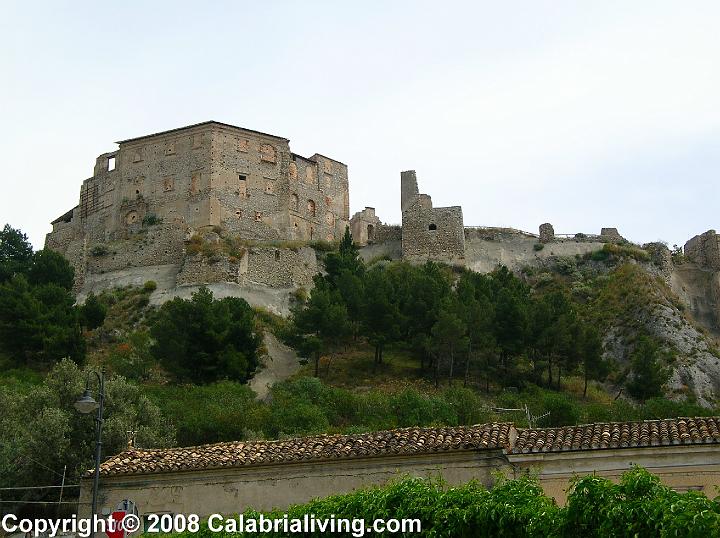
86,404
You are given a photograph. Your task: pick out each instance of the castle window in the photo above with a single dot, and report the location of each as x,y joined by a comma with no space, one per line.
195,178
370,233
238,214
294,202
432,227
258,216
168,184
242,185
267,153
131,217
311,207
111,163
277,255
170,148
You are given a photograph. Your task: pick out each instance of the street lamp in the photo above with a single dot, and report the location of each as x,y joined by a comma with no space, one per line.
87,404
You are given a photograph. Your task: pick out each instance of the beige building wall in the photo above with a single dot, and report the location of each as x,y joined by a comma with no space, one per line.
682,468
229,491
266,487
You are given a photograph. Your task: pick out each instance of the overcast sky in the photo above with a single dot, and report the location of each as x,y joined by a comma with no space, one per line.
582,114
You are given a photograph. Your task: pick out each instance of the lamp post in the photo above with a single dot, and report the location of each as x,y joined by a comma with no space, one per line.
87,404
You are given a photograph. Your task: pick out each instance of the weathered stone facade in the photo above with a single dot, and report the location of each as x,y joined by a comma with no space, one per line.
155,191
364,226
547,233
429,233
704,250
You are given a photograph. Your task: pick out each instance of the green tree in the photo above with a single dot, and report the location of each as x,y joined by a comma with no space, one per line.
449,336
49,267
15,252
38,324
41,432
93,312
648,372
380,311
321,323
204,340
594,367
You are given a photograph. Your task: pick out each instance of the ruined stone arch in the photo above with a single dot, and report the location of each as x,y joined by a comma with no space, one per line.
132,217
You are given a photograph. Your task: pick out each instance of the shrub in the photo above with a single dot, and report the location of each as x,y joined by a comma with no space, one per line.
538,246
150,286
151,220
93,312
563,411
99,250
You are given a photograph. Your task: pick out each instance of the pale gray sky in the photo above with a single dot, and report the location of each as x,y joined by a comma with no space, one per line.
584,114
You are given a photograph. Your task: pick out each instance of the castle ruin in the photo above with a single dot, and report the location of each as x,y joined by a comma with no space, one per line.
194,178
157,195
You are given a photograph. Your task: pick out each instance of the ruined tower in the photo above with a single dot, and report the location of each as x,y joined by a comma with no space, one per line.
429,233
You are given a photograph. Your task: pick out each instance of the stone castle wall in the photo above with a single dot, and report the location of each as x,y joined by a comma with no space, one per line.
144,199
429,233
704,249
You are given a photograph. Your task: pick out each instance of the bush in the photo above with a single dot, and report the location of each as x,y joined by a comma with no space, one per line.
151,220
538,246
150,286
99,250
563,411
223,411
638,506
93,312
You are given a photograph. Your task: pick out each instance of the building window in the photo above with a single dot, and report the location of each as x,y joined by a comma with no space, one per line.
170,148
111,163
294,202
311,207
242,185
195,179
432,227
267,153
258,216
168,184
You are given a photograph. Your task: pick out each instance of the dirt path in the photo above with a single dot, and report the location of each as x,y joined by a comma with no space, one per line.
280,363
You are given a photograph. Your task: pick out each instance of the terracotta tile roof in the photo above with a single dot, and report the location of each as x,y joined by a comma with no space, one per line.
322,447
648,433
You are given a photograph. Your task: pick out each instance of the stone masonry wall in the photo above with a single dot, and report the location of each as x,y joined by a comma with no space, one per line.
704,250
204,175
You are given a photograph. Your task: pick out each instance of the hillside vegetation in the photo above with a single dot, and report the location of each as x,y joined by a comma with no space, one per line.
387,345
